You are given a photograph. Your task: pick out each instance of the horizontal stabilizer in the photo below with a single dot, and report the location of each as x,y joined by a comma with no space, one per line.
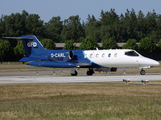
21,38
27,59
24,59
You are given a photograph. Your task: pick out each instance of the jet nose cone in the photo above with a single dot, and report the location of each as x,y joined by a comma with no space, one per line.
148,62
155,63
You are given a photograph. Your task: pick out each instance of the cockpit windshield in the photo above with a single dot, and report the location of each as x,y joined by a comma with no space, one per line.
131,53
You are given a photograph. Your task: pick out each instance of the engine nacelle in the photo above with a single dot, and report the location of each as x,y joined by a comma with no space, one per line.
64,55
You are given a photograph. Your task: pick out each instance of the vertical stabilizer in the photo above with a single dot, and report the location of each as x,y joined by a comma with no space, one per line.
32,47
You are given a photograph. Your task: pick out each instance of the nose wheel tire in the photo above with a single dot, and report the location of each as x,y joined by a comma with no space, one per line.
142,72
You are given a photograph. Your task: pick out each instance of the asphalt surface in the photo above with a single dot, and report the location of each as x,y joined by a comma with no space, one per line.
31,77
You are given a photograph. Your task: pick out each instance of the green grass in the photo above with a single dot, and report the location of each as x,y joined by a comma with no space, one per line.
82,107
80,101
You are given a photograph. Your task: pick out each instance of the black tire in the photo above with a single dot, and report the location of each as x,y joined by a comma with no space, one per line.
89,73
75,74
142,72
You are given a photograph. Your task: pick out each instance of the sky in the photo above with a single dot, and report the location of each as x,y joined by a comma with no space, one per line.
47,9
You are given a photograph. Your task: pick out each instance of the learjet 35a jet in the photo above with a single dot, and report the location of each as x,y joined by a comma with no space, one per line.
94,60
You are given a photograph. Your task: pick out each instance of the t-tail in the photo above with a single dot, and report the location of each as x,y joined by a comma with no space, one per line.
34,50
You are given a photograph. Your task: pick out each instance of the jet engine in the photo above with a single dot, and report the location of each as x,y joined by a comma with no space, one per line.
61,55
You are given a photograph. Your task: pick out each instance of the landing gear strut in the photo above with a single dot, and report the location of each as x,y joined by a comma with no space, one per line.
142,72
73,72
90,71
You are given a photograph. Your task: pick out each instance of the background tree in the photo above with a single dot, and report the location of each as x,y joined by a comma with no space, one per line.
88,44
9,25
120,27
109,25
53,29
147,45
151,21
48,44
69,44
24,17
5,49
14,24
130,24
109,18
130,44
156,35
141,26
109,44
159,45
34,25
152,25
2,27
19,49
72,29
92,28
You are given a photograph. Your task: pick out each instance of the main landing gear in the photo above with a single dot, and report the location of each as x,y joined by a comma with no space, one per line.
142,72
74,72
90,71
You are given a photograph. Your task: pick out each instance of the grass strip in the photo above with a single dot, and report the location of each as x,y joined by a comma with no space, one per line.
80,101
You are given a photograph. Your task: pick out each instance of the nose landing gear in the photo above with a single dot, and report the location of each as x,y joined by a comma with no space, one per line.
90,71
142,72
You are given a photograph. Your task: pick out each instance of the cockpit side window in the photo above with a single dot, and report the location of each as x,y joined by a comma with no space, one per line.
131,53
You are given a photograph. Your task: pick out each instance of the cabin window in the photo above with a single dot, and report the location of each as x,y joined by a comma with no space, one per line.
131,53
115,55
85,55
103,55
97,55
109,55
91,55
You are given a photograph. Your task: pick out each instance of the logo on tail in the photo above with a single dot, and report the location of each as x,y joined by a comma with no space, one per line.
30,44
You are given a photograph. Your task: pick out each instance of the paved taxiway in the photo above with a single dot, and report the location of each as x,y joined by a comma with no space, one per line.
76,79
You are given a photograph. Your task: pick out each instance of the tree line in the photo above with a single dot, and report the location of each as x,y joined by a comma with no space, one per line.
111,28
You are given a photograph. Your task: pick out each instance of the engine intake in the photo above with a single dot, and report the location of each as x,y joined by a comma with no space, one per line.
71,54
